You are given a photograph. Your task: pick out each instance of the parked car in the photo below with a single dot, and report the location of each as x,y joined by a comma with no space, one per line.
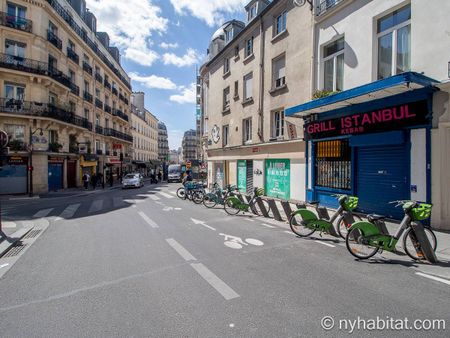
133,181
174,173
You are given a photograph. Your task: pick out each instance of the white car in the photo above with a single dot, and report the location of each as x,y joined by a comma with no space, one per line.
132,181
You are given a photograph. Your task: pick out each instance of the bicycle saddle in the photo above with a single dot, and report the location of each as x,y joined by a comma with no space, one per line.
375,217
314,202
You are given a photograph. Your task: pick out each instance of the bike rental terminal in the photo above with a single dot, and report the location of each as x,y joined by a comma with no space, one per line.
372,141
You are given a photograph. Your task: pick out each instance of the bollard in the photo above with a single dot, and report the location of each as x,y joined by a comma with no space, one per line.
274,208
252,205
425,245
262,207
287,209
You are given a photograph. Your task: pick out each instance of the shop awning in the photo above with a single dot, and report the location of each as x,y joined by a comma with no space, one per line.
391,86
139,164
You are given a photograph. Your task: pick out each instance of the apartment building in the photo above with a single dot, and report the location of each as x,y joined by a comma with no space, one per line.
64,97
163,143
255,70
189,145
383,133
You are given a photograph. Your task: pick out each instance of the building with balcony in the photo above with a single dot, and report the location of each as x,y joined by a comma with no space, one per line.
55,103
163,142
190,146
145,136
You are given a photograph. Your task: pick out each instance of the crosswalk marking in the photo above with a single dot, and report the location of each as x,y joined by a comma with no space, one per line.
96,206
154,197
43,213
68,212
172,192
165,195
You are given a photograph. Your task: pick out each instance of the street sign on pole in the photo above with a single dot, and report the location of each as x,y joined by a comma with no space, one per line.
4,139
188,164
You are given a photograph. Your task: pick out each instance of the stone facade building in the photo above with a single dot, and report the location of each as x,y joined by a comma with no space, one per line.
189,145
163,143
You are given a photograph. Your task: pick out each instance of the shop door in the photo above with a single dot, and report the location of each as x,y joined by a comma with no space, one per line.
13,179
71,174
382,175
55,176
249,175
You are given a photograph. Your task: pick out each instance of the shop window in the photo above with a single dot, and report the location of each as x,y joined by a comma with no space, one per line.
394,43
333,164
333,66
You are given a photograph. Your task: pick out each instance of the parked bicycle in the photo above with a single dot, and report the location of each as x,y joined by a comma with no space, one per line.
304,222
218,195
192,191
365,239
235,204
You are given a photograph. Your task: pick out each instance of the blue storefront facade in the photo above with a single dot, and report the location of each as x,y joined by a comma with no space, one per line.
372,141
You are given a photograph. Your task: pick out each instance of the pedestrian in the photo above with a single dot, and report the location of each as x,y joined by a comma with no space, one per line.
101,179
94,181
111,179
86,179
159,176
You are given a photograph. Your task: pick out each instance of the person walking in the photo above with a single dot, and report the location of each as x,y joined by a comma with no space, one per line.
101,179
94,181
86,179
159,176
111,179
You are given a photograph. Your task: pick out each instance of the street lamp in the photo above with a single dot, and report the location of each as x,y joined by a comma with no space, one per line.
31,157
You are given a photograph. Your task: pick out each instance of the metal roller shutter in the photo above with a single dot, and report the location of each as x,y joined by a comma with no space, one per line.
249,176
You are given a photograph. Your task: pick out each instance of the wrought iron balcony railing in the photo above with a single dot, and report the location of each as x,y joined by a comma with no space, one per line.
107,108
60,77
16,22
107,84
99,130
98,77
54,40
87,68
121,97
73,56
118,134
98,103
87,97
119,113
325,5
114,91
75,89
39,109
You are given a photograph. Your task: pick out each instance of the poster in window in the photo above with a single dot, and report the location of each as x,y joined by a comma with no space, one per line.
242,175
278,178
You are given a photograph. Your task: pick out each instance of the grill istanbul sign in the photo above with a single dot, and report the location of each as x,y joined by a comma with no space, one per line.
384,119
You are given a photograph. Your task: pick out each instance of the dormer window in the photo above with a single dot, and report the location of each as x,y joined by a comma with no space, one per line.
252,11
228,35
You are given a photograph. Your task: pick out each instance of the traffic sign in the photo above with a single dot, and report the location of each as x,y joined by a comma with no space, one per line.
188,164
3,139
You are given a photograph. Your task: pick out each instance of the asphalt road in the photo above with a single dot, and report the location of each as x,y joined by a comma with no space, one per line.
142,263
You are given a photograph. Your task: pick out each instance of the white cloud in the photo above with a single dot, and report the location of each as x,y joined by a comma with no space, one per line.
175,138
154,81
187,95
129,25
211,11
165,45
190,58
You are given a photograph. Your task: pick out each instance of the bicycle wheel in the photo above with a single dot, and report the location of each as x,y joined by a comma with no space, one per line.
409,247
197,196
230,207
298,226
258,208
210,200
357,245
343,226
181,193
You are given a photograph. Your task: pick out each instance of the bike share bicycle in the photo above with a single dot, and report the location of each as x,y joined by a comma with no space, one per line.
304,222
218,195
365,239
235,204
192,191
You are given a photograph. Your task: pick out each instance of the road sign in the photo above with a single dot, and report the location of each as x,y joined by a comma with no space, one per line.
188,164
3,139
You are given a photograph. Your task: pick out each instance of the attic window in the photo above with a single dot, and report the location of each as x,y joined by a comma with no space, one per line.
252,11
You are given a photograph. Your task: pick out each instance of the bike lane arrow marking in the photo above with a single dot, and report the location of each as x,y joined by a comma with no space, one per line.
196,221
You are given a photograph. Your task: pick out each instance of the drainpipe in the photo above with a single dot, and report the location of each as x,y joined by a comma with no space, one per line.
314,73
261,82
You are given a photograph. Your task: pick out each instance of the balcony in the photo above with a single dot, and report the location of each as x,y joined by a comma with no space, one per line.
16,22
99,151
126,101
118,134
47,110
326,5
107,108
73,56
74,89
114,91
99,130
87,68
98,103
87,97
98,77
59,76
119,113
54,40
107,84
121,97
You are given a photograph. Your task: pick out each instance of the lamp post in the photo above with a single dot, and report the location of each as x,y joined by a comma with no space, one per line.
31,158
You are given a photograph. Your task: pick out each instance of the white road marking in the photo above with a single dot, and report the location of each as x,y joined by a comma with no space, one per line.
290,233
9,225
268,226
218,284
68,212
133,206
172,192
180,249
250,220
196,221
96,206
154,197
438,279
148,220
165,195
4,265
43,213
177,209
327,244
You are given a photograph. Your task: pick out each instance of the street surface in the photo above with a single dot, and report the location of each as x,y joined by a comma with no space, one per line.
144,263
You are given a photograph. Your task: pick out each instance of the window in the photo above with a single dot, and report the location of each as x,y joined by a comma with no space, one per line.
72,75
86,86
17,11
226,98
15,132
15,48
394,43
248,87
252,12
72,107
97,120
225,130
71,45
97,93
86,58
52,28
52,63
52,136
277,124
247,127
280,23
249,47
333,164
14,92
236,89
226,65
279,72
333,66
86,114
228,35
52,98
236,51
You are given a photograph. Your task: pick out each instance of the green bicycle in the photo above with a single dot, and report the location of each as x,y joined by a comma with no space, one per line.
365,239
304,222
235,204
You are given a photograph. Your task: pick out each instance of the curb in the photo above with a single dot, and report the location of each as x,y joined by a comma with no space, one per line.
9,241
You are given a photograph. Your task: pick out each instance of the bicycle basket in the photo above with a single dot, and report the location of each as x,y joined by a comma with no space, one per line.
423,211
351,203
259,192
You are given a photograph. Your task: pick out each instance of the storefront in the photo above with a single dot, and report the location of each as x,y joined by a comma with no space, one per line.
55,173
14,175
71,172
378,150
88,165
278,178
245,176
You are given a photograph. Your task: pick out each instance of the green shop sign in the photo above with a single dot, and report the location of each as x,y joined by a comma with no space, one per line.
242,175
278,178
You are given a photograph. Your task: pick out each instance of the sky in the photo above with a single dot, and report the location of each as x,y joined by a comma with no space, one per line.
162,42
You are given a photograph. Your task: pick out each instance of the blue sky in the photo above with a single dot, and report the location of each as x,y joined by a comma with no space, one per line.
162,42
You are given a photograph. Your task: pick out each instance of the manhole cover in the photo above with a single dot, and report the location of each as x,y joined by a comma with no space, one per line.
32,234
15,250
